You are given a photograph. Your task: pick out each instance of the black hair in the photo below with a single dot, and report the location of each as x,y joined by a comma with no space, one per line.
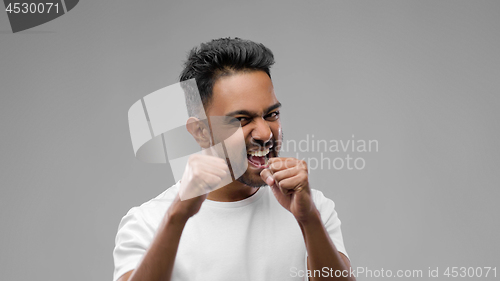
222,57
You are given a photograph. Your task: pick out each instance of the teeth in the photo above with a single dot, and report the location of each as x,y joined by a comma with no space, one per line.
259,153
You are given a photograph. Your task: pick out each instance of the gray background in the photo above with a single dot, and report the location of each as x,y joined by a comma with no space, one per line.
421,77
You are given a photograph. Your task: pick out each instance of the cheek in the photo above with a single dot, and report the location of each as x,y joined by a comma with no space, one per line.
276,129
277,136
247,134
237,142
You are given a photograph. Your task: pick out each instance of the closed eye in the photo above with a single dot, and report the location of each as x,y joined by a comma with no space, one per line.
243,120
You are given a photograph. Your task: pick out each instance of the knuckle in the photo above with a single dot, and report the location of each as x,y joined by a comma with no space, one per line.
196,172
303,176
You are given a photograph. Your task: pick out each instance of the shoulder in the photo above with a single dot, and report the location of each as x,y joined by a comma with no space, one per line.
326,208
320,199
152,211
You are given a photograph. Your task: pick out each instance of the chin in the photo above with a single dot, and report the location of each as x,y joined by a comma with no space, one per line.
251,181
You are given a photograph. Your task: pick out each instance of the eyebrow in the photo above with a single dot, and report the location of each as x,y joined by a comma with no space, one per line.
253,114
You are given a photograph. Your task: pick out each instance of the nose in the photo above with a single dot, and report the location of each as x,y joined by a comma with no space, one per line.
262,132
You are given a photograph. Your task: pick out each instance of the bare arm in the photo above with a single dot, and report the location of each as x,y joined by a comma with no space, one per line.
289,181
202,173
322,253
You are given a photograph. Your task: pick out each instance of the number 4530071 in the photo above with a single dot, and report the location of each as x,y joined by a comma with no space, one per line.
31,8
470,271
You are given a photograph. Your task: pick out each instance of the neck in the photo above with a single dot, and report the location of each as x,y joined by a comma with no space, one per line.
234,191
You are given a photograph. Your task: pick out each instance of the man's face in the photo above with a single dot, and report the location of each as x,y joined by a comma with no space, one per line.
249,97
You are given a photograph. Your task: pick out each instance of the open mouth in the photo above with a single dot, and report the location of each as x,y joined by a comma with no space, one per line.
259,158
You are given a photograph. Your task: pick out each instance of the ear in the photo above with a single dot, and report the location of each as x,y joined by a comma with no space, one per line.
200,131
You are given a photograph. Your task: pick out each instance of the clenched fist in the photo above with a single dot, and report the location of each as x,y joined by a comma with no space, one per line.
289,181
203,174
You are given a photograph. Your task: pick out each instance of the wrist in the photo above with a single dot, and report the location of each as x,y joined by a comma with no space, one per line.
176,218
312,217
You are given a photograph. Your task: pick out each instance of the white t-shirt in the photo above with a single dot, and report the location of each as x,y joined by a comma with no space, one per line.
254,239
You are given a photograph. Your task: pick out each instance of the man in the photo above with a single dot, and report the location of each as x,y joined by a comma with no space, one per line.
267,225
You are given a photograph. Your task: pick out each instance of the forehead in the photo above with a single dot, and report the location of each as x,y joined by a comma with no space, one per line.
250,91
